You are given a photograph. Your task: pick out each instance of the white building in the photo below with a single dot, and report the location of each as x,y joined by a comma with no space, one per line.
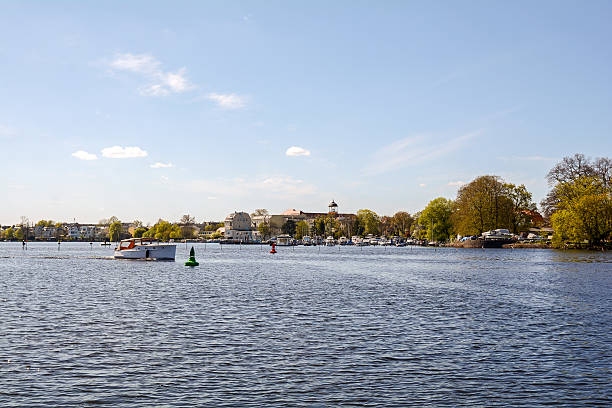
238,227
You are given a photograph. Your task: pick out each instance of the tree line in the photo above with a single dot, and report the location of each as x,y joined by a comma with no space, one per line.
578,208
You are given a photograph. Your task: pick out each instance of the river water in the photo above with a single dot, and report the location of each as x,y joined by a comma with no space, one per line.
309,326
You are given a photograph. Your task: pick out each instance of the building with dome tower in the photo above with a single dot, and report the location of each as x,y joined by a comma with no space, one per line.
276,221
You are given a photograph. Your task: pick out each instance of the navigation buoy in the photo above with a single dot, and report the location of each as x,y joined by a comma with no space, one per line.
191,261
273,250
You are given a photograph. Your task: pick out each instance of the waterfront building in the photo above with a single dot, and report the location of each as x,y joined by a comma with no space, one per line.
239,227
278,220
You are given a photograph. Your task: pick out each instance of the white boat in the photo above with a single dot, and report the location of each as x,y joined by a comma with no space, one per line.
330,241
144,248
284,240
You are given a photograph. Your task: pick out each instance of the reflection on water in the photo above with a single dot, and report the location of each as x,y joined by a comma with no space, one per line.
307,326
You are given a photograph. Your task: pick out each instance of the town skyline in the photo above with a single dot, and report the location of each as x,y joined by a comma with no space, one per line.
143,110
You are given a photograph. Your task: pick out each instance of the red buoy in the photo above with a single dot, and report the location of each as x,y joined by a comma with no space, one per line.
273,250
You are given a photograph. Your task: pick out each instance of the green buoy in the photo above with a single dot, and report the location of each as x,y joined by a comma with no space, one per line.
192,261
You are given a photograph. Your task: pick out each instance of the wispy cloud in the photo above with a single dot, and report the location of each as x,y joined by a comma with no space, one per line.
142,63
161,82
297,151
228,101
274,185
413,151
160,165
83,155
456,183
119,152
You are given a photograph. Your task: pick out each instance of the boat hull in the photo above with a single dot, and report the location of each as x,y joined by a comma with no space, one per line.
153,251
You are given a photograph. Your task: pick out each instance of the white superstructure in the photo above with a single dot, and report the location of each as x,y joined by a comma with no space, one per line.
145,248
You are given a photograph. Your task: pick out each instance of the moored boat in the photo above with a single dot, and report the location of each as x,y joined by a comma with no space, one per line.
144,248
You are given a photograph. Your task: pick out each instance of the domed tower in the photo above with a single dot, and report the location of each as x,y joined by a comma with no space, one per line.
333,208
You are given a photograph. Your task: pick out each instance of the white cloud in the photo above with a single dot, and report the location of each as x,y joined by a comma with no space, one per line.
141,63
159,165
297,151
212,198
162,82
83,155
228,101
456,183
128,152
413,151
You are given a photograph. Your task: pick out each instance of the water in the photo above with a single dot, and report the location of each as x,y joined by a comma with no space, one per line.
309,326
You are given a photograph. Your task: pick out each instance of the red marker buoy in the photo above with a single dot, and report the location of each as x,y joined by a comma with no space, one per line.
273,250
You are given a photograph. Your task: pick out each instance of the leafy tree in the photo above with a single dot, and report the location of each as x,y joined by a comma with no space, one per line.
163,231
288,227
137,223
519,200
318,226
401,223
571,169
436,218
358,228
332,226
187,227
114,231
301,229
9,233
488,203
370,221
20,233
139,231
584,212
386,227
264,229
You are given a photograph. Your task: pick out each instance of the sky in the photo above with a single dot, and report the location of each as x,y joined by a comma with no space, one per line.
148,109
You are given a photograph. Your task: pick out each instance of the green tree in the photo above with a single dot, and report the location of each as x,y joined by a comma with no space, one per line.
288,227
519,213
301,229
20,233
436,218
114,231
370,221
139,231
401,223
318,226
486,204
569,170
163,231
9,234
264,229
583,212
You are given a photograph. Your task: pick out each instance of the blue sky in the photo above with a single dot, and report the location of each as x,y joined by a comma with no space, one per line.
157,109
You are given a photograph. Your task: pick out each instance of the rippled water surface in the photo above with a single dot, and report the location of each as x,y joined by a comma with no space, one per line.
307,326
